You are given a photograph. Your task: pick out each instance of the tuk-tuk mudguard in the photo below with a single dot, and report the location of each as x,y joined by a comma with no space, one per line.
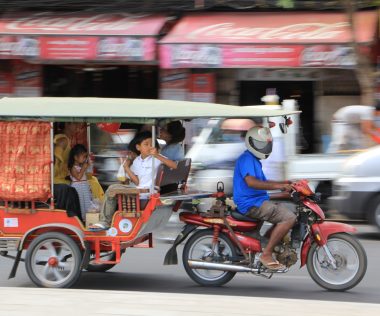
72,228
323,230
171,256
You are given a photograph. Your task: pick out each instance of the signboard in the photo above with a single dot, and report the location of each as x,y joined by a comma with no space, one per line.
268,28
6,83
245,56
126,48
79,23
64,47
27,79
80,36
202,87
79,48
19,47
174,84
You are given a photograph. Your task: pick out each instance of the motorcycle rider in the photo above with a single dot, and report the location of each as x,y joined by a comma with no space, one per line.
250,192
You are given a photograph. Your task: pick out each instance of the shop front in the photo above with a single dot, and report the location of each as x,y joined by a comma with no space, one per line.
306,56
79,54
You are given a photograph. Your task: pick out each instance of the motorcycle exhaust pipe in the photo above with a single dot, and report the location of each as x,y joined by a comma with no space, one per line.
195,264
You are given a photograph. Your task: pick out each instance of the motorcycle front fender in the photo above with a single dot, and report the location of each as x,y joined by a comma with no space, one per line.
320,233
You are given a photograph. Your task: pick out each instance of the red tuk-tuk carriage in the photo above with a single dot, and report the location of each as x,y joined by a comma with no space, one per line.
59,247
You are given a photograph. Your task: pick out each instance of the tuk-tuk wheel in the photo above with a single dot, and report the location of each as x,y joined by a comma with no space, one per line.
102,267
53,260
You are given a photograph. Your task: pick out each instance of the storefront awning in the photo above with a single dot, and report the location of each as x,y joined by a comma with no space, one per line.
80,36
269,39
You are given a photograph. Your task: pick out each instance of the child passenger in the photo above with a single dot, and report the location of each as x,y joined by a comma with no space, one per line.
140,174
78,164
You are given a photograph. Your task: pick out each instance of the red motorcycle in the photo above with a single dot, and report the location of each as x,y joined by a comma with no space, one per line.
231,242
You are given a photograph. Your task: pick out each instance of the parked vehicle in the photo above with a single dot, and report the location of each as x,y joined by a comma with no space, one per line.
231,243
357,189
58,247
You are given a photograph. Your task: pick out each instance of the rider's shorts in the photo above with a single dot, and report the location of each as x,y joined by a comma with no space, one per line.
272,212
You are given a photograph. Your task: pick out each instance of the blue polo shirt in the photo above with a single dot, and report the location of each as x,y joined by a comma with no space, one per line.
244,196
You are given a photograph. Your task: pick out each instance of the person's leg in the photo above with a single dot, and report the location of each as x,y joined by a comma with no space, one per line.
281,217
107,210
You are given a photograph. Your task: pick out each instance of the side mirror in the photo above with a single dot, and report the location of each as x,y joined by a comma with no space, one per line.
284,126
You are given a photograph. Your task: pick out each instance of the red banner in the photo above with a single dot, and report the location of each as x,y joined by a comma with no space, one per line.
83,48
273,28
74,23
245,56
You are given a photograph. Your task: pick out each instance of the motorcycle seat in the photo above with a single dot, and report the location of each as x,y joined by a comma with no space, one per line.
240,217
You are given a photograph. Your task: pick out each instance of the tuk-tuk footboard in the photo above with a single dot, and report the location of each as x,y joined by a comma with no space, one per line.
116,245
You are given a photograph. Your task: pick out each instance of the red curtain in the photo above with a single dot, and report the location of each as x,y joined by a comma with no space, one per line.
25,157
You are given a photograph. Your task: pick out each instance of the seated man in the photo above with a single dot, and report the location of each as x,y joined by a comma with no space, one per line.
139,172
250,192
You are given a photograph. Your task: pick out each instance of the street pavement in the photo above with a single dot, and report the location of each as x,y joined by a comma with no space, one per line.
40,302
141,285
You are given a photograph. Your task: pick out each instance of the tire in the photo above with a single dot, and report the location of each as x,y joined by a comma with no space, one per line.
103,267
374,213
202,276
53,260
347,251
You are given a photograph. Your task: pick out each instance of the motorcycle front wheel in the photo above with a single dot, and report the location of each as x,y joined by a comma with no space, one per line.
200,247
351,263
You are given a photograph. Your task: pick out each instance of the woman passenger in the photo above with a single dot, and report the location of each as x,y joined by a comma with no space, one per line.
173,134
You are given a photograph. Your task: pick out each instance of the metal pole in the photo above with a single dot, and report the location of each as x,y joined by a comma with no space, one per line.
89,137
52,164
153,169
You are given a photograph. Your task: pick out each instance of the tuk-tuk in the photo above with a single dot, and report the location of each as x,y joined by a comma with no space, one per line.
58,247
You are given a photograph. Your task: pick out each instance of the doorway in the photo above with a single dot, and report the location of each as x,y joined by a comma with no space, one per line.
109,81
251,93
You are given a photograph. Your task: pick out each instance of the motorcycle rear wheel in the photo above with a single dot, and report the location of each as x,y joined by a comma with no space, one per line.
351,261
199,247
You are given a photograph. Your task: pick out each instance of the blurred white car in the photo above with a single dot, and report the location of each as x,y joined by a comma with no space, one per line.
215,151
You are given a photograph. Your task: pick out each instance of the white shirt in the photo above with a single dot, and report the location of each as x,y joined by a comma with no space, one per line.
142,168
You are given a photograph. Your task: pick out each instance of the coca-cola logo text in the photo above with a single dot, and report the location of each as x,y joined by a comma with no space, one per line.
45,21
301,31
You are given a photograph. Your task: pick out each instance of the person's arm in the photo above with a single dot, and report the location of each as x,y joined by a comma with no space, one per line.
129,172
78,175
167,162
267,185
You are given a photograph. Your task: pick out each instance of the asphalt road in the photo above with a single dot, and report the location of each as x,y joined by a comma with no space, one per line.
142,270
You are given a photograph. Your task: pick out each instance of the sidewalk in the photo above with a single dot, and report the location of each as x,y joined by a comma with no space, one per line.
71,302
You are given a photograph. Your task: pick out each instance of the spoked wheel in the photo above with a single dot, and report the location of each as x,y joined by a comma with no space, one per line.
200,247
101,267
351,263
53,260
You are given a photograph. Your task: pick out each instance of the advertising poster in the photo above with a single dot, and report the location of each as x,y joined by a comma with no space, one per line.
6,83
202,87
27,79
65,47
174,84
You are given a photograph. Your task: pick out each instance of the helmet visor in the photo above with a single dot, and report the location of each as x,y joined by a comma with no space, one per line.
260,146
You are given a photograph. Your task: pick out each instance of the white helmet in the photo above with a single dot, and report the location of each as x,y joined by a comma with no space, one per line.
259,141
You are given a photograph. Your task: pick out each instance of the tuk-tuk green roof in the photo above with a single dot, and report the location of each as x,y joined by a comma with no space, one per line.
94,110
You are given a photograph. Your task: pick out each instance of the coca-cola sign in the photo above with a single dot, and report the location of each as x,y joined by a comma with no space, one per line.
82,24
297,32
272,28
246,56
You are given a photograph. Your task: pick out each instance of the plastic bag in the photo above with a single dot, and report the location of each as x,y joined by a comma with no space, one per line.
121,176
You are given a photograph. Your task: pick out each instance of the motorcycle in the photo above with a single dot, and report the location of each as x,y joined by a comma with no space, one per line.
230,242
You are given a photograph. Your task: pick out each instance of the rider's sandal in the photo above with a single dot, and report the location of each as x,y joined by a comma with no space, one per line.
274,265
97,227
